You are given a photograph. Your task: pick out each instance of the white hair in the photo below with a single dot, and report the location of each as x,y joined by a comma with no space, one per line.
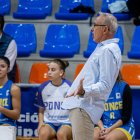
110,21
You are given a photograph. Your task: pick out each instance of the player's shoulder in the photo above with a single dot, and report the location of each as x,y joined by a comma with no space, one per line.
15,88
67,82
43,85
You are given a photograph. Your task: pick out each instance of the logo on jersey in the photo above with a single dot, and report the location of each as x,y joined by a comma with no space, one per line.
48,95
7,92
118,95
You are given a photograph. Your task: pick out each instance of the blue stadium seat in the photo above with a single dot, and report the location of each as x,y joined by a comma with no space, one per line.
25,36
61,41
5,6
119,34
33,9
66,5
119,16
135,45
92,44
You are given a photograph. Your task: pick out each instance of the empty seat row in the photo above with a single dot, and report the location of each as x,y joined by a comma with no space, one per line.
38,73
33,9
67,6
28,9
39,70
62,40
25,37
68,9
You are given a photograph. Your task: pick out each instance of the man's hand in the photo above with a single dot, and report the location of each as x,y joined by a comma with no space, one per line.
79,91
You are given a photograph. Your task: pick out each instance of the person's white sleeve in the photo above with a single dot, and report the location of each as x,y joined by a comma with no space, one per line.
108,70
11,53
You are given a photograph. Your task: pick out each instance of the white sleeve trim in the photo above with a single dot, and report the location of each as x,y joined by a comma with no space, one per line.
11,53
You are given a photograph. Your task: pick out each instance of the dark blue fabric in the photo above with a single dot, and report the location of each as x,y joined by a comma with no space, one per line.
4,43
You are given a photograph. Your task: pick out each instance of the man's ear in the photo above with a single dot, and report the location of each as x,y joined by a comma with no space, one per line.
105,30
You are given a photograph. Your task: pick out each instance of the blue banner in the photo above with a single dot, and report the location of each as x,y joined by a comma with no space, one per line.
28,122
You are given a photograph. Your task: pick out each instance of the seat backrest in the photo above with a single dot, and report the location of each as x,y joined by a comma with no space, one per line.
75,3
3,3
65,6
24,34
18,76
119,34
62,36
35,3
135,46
78,69
38,73
104,5
5,6
131,73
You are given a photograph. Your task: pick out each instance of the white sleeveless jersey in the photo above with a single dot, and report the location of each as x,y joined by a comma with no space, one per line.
50,97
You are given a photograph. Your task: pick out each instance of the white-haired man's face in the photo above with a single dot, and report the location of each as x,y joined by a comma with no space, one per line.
99,29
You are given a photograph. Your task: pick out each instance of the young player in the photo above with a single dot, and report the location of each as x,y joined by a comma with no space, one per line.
117,122
53,120
9,95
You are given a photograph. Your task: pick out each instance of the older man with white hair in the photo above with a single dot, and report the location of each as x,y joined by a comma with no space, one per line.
88,93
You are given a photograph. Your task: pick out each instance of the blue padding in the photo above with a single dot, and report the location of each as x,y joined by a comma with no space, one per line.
5,6
61,41
92,44
135,45
25,37
119,16
136,111
33,9
28,121
66,5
